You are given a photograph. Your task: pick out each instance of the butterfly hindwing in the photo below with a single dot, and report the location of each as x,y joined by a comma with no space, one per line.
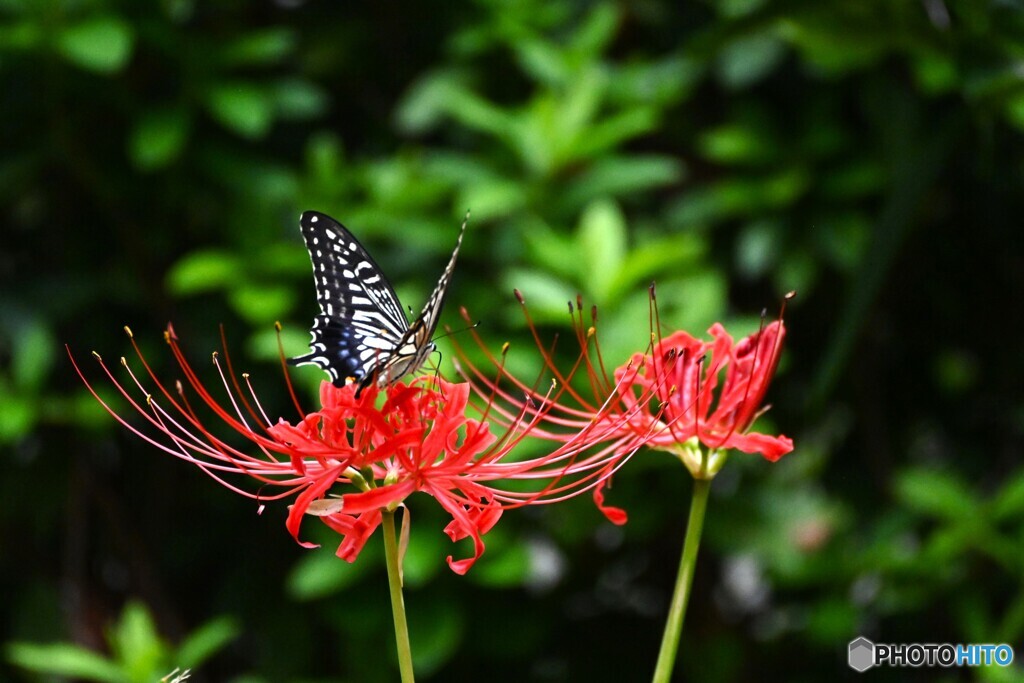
361,332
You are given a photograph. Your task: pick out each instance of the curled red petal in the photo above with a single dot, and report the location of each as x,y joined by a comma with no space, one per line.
314,491
615,515
771,447
355,530
463,525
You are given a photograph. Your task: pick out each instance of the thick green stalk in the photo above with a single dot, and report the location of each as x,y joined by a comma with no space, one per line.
397,602
681,595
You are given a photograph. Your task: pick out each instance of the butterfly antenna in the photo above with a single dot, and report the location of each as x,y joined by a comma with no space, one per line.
437,371
449,331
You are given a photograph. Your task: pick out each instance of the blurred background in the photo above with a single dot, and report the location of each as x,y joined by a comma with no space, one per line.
156,156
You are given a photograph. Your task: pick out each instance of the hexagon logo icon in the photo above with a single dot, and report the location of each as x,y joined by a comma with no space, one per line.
862,654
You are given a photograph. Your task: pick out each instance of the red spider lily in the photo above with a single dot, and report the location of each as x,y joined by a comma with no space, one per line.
679,395
418,439
696,405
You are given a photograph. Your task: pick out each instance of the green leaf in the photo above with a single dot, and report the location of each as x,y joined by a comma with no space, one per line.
202,271
596,31
206,641
33,355
299,99
259,47
547,296
749,59
325,155
543,61
24,35
82,409
445,94
243,107
936,74
505,566
669,255
936,494
65,660
321,573
548,249
1009,501
783,188
426,102
282,258
158,139
103,44
617,176
136,642
494,198
18,414
262,303
662,82
614,130
758,246
424,556
834,47
438,625
736,144
738,8
690,299
602,236
832,620
262,344
1015,110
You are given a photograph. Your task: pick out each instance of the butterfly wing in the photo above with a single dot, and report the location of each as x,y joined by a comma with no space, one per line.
415,345
361,323
432,309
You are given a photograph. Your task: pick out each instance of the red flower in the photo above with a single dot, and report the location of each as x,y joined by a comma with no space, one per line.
694,398
706,392
418,439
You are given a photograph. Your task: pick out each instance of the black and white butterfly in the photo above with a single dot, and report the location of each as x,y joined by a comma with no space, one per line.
362,334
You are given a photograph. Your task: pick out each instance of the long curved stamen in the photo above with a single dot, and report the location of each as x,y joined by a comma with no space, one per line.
284,371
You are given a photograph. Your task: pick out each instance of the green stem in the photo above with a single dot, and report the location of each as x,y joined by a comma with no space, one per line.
397,602
681,596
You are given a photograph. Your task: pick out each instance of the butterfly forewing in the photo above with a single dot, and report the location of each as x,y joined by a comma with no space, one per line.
416,344
362,332
432,309
360,317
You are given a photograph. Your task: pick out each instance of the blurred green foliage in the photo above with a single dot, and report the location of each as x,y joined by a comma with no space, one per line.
138,653
156,156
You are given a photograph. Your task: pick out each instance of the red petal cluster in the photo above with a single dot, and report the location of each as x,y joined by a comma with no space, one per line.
419,440
680,393
353,458
708,390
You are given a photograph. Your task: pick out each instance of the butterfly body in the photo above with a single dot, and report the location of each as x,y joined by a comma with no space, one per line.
362,334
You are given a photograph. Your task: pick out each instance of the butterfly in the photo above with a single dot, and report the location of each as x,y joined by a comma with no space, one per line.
362,333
